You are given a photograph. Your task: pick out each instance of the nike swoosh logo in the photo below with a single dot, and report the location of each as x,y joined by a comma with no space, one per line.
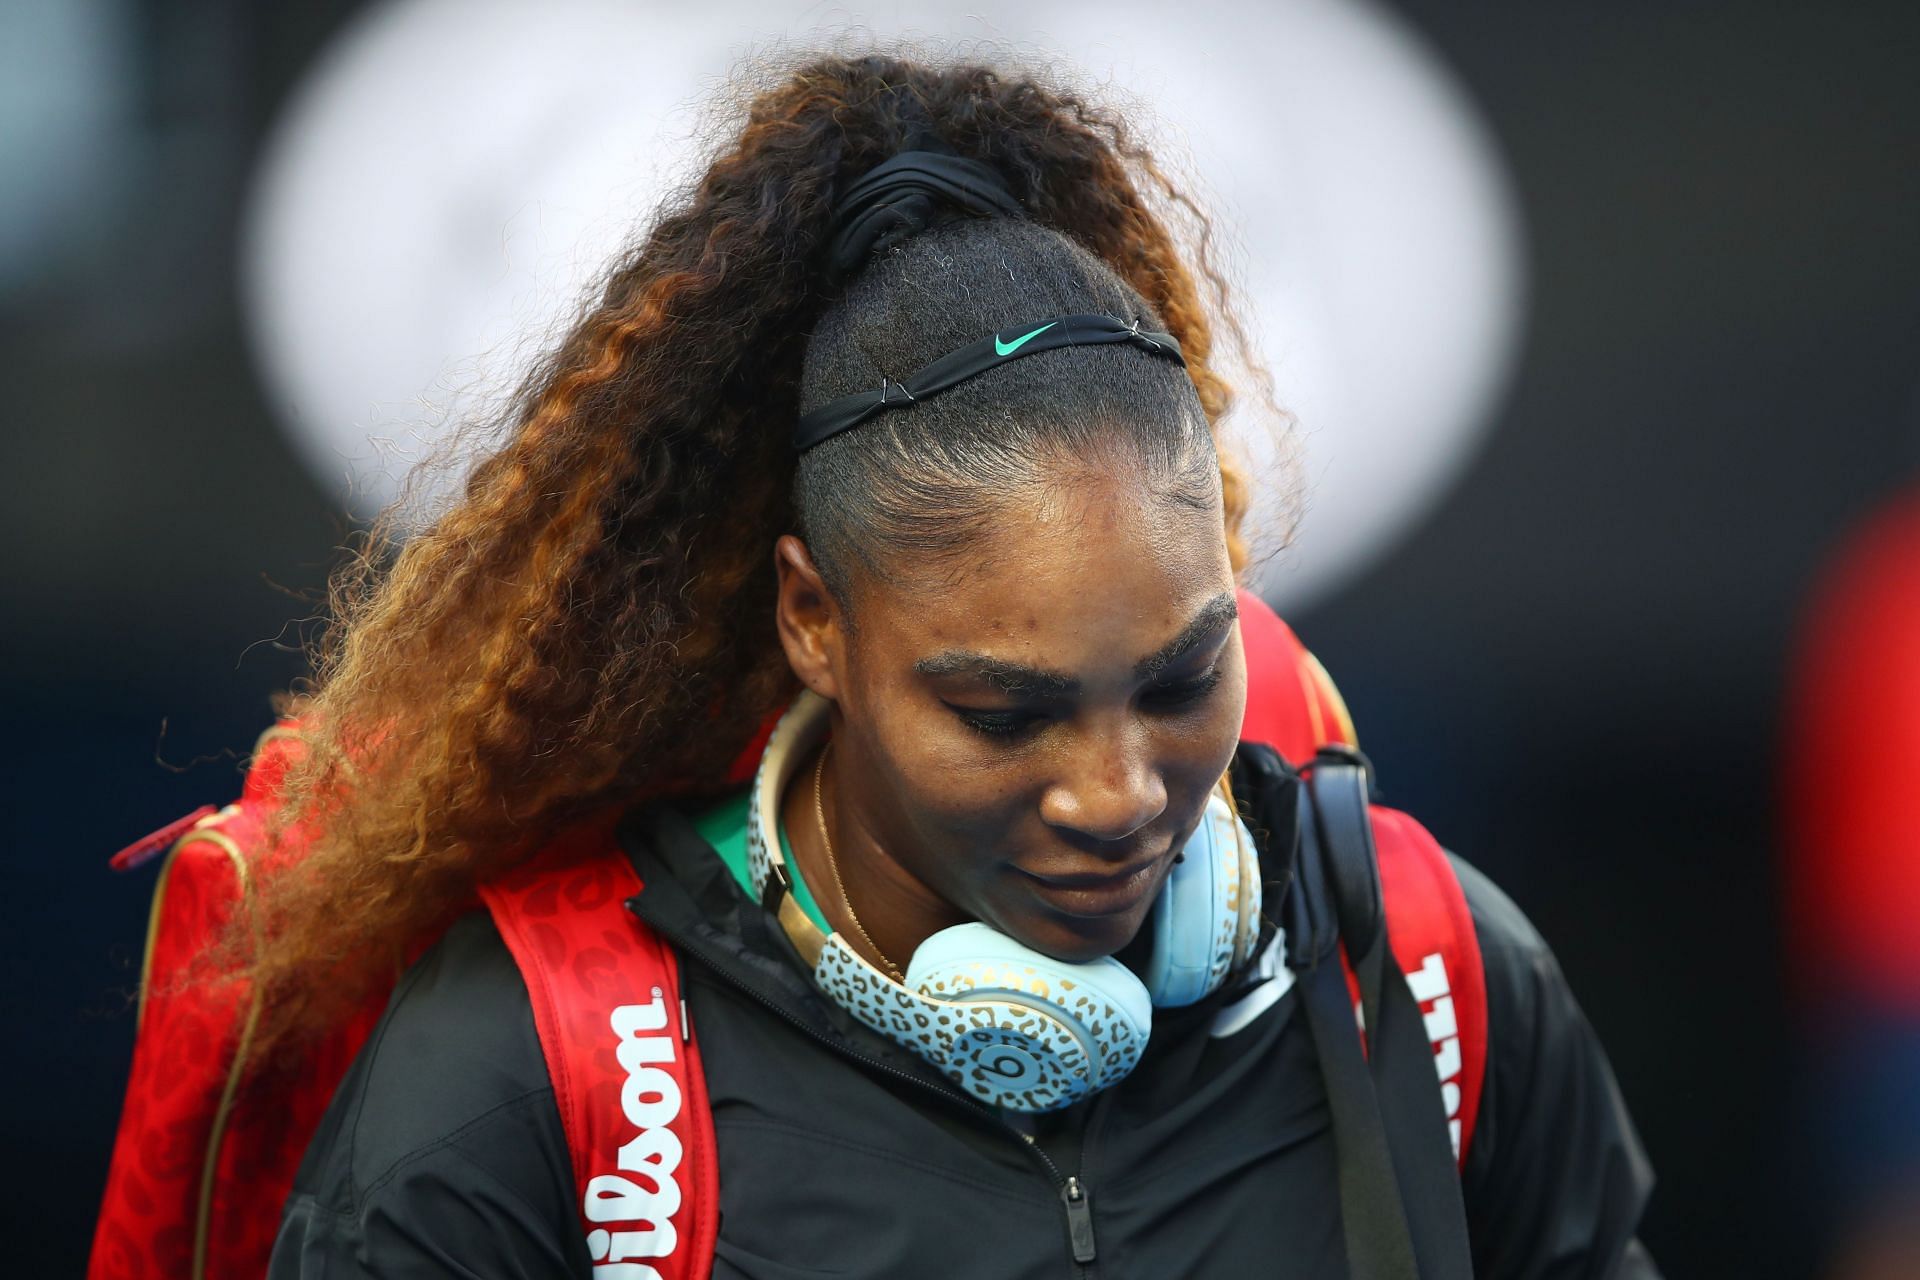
1008,348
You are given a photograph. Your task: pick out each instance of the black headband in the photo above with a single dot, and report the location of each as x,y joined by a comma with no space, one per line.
977,357
906,193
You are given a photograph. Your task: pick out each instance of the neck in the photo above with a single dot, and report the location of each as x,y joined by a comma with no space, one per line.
897,910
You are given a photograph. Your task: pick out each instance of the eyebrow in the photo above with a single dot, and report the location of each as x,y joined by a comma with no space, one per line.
1015,679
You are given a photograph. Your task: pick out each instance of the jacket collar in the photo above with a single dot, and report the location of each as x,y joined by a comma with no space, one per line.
690,896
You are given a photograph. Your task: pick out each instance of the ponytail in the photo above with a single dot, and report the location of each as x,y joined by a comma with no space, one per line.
590,624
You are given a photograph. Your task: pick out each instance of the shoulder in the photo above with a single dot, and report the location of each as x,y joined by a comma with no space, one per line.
1528,999
447,1106
456,1052
1556,1173
1529,1002
1503,930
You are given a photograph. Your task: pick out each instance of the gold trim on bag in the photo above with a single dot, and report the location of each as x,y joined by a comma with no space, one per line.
153,911
153,930
205,830
203,1213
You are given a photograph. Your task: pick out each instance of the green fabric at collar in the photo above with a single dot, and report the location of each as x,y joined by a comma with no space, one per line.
724,826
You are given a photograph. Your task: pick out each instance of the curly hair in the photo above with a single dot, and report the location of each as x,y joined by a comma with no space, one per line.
589,624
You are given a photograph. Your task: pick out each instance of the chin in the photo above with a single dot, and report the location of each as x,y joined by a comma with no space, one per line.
1077,939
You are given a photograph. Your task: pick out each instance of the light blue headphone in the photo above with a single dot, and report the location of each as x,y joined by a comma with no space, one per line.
1010,1025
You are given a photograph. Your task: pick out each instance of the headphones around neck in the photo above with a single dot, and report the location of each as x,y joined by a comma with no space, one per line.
1010,1025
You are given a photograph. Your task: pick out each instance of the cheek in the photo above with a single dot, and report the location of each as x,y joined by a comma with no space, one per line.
1201,756
1199,747
956,800
960,802
1230,712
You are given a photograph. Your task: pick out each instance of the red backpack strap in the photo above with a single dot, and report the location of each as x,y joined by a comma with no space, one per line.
1434,943
626,1072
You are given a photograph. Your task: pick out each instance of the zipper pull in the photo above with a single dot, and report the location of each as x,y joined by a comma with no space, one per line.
1079,1219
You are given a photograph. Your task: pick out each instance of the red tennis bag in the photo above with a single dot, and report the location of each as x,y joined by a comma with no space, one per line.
207,1148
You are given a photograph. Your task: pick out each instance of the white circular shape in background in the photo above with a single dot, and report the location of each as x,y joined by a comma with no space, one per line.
452,176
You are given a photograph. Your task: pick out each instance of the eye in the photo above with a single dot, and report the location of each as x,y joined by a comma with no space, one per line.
998,724
1186,692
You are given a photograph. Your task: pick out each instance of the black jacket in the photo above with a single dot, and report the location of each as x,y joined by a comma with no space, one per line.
842,1154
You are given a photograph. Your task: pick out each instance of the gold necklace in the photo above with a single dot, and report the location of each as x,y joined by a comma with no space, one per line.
819,812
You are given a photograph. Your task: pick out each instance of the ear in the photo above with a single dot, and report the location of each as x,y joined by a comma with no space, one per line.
811,623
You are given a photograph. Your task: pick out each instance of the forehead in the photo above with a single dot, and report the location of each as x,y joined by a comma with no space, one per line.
1072,573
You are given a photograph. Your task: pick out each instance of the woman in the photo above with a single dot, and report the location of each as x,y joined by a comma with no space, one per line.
904,416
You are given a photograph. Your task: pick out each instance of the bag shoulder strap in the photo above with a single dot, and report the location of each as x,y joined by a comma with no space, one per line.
1393,869
1401,1205
626,1073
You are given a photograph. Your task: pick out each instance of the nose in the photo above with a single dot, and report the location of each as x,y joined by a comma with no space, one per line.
1108,789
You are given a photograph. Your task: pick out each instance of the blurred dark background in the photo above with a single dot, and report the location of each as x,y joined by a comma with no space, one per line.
1572,672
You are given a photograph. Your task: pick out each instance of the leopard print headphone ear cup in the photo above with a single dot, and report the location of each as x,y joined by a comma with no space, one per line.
1207,916
1009,1025
1100,1004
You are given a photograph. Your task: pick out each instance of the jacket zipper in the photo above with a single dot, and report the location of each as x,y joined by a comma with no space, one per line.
1073,1194
1079,1219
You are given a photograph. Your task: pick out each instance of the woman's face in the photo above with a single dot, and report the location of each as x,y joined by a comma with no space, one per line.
1032,738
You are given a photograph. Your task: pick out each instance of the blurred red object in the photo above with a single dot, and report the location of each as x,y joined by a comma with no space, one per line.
1851,787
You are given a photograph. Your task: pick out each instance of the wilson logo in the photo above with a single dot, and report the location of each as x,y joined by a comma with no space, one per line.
1430,987
639,1202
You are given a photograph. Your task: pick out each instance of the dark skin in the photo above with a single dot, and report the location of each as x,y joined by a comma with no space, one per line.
1060,829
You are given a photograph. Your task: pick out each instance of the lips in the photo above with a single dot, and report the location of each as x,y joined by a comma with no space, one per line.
1092,879
1095,893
